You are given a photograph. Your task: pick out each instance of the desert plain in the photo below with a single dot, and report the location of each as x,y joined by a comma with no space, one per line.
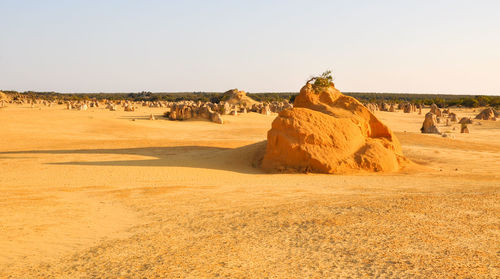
112,194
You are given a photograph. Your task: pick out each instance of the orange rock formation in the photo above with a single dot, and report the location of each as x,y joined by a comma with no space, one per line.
328,132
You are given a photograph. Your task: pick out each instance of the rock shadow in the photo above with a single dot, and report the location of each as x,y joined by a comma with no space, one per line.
230,159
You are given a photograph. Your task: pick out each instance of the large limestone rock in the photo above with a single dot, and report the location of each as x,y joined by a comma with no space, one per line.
327,132
217,118
372,107
407,108
463,128
452,116
3,96
465,120
3,99
186,110
488,114
128,107
435,110
429,125
236,97
266,110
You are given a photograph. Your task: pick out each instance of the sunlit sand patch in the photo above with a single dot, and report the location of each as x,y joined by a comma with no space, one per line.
106,195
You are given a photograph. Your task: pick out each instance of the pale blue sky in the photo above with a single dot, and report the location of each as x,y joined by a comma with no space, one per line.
371,46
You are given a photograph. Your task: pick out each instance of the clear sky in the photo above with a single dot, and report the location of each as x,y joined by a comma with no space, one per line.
128,46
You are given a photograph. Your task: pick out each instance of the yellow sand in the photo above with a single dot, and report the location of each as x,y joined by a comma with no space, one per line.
88,194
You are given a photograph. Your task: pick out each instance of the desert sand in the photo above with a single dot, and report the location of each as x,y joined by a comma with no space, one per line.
91,194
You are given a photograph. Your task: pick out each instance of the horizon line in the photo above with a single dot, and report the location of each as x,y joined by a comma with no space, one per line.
262,92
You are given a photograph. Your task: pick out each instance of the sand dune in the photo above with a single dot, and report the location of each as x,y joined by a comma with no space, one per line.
92,193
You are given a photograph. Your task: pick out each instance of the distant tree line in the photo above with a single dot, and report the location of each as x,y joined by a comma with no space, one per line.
442,100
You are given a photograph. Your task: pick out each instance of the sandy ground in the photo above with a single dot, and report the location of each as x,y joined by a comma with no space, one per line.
89,194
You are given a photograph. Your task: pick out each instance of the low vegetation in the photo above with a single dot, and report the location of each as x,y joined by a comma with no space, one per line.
442,100
324,80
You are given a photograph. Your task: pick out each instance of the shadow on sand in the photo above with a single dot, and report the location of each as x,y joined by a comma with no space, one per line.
229,159
158,116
